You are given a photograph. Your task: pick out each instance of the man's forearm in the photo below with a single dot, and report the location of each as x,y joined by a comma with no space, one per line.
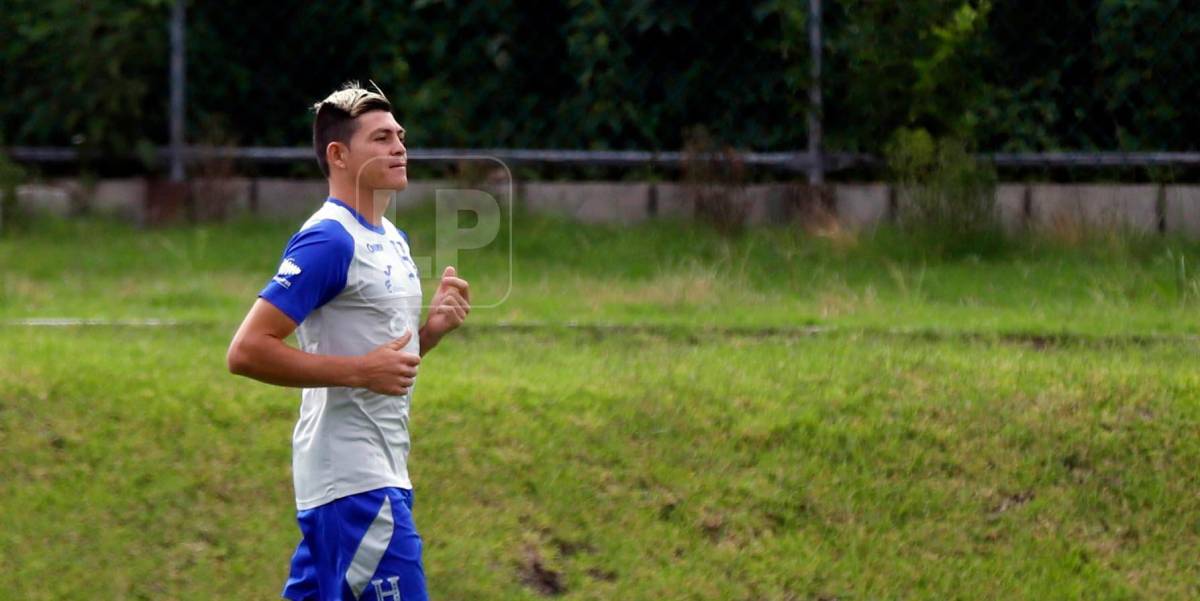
271,360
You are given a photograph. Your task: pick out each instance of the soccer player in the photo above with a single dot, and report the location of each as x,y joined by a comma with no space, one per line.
348,287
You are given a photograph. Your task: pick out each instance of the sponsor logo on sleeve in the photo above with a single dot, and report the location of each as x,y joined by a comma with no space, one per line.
287,269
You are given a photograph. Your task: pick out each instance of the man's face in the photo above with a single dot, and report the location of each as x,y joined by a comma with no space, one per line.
377,158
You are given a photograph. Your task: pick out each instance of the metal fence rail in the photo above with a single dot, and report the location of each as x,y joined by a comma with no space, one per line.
799,161
1095,160
795,162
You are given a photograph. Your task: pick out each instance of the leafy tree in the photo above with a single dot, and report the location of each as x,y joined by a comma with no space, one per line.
1012,75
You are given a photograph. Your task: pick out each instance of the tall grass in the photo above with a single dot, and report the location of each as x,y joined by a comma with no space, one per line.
947,198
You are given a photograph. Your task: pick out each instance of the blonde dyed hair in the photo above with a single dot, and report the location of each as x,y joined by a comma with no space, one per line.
354,99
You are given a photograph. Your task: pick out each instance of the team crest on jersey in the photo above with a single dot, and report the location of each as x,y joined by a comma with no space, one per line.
287,269
392,593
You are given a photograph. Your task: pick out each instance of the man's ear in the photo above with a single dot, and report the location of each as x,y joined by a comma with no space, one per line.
335,155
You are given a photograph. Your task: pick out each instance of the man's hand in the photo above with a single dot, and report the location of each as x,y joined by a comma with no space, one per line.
388,369
448,309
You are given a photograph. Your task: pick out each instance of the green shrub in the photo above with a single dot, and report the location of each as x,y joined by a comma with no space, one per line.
947,199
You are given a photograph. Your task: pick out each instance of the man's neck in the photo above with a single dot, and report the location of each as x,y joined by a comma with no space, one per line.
370,204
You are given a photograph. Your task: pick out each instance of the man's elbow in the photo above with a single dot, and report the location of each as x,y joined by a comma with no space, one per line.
237,359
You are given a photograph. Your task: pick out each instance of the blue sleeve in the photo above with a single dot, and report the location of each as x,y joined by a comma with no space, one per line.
313,270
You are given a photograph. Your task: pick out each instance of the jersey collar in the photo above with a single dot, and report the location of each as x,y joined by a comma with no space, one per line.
378,229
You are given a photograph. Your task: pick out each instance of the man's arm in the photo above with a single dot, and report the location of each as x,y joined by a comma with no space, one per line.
447,310
258,351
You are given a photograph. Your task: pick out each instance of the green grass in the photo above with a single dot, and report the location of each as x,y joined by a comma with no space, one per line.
661,273
1030,443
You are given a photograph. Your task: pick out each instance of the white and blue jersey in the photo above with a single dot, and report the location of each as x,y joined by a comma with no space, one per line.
350,286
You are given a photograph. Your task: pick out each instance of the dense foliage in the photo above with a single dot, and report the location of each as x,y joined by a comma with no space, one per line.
1013,75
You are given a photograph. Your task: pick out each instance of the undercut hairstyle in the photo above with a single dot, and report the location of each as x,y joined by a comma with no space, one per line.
335,116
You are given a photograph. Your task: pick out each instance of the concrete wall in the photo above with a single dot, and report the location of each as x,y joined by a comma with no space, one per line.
1010,205
1182,210
589,202
269,197
47,197
862,205
1142,207
1097,206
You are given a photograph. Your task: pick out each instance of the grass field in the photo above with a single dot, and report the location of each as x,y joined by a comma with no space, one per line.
1017,426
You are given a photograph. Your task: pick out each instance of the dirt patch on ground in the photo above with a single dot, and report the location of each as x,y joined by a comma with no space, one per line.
535,574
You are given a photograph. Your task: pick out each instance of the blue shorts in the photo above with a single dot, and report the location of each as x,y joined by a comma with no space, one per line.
364,547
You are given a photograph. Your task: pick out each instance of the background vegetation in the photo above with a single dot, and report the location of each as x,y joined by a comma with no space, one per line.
1019,75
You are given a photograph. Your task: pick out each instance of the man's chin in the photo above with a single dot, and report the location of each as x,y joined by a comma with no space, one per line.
392,184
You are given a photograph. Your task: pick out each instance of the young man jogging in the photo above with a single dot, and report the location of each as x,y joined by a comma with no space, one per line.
348,287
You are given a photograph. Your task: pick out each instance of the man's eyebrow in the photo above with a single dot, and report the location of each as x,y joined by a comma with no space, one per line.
385,129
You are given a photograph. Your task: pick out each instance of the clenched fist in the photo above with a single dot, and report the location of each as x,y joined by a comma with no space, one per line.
388,369
450,305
